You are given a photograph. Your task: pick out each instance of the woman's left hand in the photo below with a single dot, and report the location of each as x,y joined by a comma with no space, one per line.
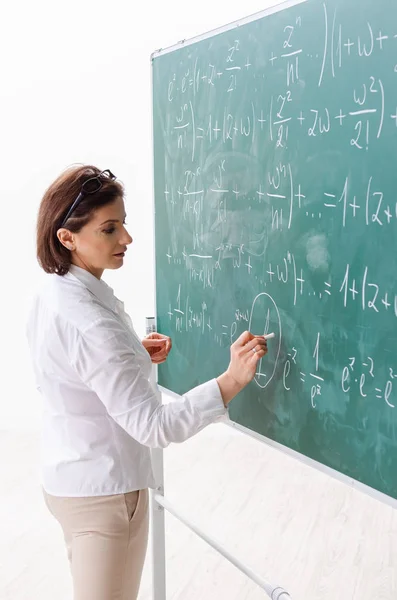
158,346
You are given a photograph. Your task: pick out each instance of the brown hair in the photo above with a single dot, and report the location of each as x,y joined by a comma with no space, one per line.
53,257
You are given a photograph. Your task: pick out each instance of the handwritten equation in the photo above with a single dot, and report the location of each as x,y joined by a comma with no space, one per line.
276,191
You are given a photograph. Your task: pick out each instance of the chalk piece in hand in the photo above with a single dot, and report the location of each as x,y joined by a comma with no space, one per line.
269,336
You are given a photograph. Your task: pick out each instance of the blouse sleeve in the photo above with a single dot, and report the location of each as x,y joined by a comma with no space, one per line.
106,363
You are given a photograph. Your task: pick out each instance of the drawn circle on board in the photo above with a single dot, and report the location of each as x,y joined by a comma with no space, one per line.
266,316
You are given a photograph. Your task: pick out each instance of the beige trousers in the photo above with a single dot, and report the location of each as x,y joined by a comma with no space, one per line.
106,540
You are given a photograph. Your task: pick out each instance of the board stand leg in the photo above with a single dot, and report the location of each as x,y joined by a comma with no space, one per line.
158,528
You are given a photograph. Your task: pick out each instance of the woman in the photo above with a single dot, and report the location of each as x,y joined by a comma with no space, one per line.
101,415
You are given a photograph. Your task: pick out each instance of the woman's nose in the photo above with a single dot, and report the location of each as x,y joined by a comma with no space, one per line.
126,238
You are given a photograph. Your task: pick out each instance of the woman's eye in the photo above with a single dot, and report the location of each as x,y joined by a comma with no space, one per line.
108,231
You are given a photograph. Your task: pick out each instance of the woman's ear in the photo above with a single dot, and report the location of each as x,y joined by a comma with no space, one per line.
66,238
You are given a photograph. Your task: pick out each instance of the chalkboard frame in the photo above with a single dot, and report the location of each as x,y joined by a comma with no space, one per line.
233,25
376,494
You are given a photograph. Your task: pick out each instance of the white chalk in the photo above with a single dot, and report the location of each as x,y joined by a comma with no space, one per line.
269,336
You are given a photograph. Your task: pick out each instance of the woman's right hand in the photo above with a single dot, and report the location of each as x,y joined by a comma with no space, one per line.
245,353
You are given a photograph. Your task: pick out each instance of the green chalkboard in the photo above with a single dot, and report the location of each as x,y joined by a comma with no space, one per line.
275,172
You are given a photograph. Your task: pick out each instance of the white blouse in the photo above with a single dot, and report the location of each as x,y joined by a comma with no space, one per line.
101,415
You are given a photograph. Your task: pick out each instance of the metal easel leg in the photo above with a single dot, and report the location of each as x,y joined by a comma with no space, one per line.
158,529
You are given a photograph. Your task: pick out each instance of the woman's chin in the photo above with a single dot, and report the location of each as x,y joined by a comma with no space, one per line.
116,263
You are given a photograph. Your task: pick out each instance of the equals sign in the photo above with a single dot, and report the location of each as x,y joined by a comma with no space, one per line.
224,327
329,196
328,286
379,392
303,376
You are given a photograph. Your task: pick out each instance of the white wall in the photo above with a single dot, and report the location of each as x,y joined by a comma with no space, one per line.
75,87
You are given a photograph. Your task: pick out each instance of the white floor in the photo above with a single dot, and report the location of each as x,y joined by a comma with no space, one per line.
293,525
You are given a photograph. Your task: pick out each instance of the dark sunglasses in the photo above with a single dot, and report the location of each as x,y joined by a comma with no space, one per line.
91,186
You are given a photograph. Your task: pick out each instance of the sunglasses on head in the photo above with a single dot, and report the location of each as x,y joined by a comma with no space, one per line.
91,186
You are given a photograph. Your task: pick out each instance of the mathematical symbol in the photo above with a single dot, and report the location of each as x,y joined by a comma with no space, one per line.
341,116
301,281
273,58
365,111
303,376
349,45
316,377
260,374
385,301
380,39
354,206
261,120
301,118
247,64
216,130
282,121
388,214
394,117
270,272
353,289
300,196
259,192
328,285
329,196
